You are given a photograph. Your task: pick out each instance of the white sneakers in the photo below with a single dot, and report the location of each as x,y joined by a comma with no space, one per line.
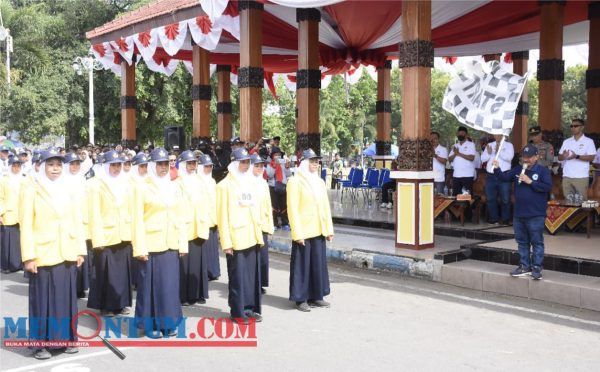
385,205
389,206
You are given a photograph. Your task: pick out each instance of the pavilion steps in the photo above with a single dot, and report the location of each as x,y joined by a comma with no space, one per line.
563,288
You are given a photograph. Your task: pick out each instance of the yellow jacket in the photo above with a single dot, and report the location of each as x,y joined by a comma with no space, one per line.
266,209
10,188
210,187
238,222
309,214
157,226
109,221
196,209
48,235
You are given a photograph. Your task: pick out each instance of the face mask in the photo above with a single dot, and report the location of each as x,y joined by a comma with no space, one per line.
460,138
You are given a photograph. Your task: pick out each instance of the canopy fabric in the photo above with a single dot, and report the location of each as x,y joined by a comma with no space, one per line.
352,33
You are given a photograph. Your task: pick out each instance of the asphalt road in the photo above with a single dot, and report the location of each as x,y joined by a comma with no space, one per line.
377,321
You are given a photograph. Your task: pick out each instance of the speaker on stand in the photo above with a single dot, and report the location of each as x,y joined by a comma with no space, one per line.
174,136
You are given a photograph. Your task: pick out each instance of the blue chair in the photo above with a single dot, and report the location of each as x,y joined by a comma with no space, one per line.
356,183
372,181
384,177
347,182
324,174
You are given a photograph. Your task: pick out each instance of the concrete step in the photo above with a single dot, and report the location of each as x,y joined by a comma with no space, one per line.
562,288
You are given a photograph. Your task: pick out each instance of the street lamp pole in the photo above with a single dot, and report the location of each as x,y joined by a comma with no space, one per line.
88,64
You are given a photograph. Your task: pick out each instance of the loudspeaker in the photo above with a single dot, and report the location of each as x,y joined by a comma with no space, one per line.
174,136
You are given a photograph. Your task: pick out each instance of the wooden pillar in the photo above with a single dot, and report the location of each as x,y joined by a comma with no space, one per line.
414,195
520,133
128,104
308,80
224,130
592,77
551,71
383,108
250,73
201,95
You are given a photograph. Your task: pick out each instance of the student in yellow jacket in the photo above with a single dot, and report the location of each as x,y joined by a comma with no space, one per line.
238,216
266,216
159,238
211,245
139,173
311,223
52,247
110,216
193,284
10,240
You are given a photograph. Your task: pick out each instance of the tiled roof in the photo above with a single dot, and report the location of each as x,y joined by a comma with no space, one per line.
144,13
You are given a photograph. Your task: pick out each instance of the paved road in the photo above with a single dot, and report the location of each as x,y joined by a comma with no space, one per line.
378,321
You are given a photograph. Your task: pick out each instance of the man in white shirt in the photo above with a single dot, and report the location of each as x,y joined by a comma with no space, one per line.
577,152
440,157
461,156
493,185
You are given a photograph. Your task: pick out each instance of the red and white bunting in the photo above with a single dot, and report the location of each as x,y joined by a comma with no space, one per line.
146,43
125,47
190,67
107,57
165,66
214,8
229,23
172,36
204,32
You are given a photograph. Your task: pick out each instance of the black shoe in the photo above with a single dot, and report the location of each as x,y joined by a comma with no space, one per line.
124,311
536,273
520,271
263,290
239,321
107,313
71,350
319,303
201,301
303,306
42,354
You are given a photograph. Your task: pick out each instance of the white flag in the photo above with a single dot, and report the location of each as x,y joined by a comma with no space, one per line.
485,97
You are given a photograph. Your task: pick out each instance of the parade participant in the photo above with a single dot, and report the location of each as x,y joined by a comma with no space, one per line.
278,173
87,162
10,243
139,169
532,188
126,163
494,187
310,219
577,152
266,217
211,245
4,154
24,159
72,173
238,216
545,149
52,247
110,205
193,283
159,238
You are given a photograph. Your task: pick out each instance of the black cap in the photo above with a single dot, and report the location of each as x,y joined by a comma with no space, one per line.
529,150
71,157
111,157
237,141
187,155
159,154
535,130
276,150
309,154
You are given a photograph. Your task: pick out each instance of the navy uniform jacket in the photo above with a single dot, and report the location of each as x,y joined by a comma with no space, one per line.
530,200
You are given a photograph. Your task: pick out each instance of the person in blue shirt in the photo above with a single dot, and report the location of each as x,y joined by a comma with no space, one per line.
532,188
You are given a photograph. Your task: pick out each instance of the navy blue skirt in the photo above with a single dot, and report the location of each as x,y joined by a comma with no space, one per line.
10,248
111,286
84,272
212,253
157,302
193,283
264,262
309,278
52,302
243,268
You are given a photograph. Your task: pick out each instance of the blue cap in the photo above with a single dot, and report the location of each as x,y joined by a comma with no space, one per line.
49,154
36,157
4,148
187,155
22,151
309,154
240,154
14,160
111,157
256,159
124,157
529,150
205,159
236,141
71,157
159,154
140,158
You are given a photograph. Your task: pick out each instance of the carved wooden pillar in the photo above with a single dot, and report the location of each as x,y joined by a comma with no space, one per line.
308,80
551,71
224,131
519,133
201,95
128,104
250,73
414,200
592,76
383,108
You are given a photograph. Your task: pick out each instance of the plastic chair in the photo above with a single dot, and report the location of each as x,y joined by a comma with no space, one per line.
371,182
347,182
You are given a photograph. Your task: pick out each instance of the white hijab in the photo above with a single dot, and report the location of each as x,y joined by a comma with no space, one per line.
57,189
116,184
190,181
135,173
315,182
201,173
246,181
166,187
87,164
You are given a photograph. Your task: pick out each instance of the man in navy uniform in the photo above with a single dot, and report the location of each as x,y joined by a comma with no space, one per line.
532,187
